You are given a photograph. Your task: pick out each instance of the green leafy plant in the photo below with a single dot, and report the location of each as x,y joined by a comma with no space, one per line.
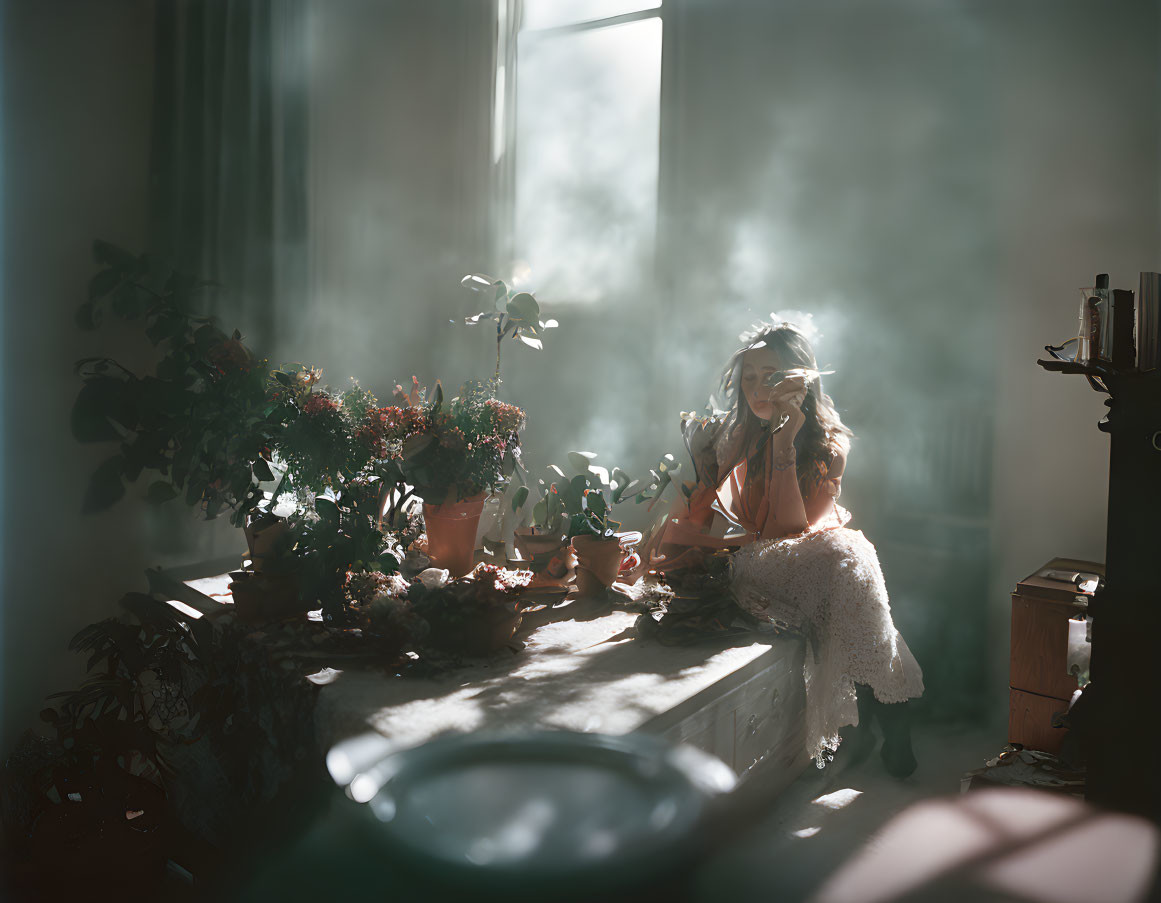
223,431
204,420
158,683
586,500
515,313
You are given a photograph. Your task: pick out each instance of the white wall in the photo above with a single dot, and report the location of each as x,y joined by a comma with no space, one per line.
1079,182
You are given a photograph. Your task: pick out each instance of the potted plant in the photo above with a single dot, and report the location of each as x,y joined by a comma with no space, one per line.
515,313
297,466
589,498
450,453
542,543
475,615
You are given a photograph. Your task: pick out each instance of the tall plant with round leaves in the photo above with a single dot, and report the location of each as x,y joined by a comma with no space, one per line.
515,313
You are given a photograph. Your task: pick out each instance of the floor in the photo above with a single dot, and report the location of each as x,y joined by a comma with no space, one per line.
781,849
827,816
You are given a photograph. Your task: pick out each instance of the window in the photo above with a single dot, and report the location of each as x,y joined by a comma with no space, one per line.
580,155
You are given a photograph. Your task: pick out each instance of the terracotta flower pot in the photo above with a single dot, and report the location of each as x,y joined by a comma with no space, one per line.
262,597
540,549
598,563
451,533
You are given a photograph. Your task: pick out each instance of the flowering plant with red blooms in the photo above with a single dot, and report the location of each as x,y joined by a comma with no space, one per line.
474,615
446,450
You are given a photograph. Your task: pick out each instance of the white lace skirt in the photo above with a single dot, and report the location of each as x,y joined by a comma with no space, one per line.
829,584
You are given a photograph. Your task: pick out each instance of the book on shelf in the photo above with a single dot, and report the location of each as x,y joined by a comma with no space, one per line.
1148,325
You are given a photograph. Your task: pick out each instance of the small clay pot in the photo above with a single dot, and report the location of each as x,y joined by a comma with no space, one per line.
260,597
451,533
539,549
267,537
598,563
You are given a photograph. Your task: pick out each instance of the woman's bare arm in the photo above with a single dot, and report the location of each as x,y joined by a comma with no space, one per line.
786,514
822,500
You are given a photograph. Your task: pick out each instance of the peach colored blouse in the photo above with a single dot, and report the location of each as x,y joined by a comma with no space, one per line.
750,505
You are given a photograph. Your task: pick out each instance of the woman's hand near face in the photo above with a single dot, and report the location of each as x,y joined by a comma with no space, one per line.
786,514
786,398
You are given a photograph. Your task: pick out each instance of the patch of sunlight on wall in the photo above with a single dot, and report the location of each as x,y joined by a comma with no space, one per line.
588,114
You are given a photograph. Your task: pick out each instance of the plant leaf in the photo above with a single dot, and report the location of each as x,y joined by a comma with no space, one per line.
531,343
105,486
478,282
159,491
519,497
581,461
523,308
631,488
327,510
262,471
110,255
415,446
595,502
101,400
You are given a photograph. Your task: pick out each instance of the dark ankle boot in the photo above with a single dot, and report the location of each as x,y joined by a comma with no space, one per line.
859,741
897,755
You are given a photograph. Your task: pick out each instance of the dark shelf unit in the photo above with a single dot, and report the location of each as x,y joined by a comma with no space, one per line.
1117,719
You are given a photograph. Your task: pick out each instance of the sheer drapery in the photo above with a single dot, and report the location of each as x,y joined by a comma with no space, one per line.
229,183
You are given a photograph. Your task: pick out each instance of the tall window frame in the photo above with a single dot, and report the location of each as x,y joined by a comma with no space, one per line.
505,149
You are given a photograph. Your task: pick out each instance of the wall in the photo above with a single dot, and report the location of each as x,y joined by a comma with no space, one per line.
400,100
1079,182
77,89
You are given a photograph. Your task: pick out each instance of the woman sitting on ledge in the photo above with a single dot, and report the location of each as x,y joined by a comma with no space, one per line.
773,465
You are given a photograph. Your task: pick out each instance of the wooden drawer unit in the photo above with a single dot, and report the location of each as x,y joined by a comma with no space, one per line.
1039,681
1030,720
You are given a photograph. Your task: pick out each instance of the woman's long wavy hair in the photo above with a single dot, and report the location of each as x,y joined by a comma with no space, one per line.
823,433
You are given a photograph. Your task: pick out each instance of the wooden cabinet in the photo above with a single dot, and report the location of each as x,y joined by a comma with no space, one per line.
1041,686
